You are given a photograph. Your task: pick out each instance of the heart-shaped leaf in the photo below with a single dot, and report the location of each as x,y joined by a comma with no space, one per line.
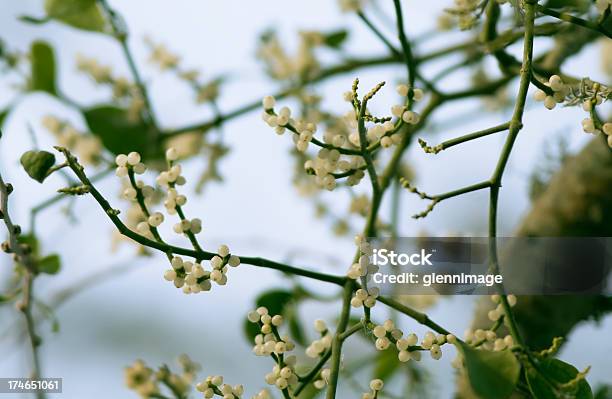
37,164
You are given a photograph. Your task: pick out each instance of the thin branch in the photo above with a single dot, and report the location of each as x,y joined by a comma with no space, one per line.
563,16
363,142
166,248
22,256
336,350
406,49
307,379
420,317
516,125
462,139
121,34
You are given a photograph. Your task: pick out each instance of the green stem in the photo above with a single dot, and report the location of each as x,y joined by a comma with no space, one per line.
516,125
24,258
419,317
144,209
367,157
406,49
121,34
166,248
462,139
307,379
337,342
563,16
352,330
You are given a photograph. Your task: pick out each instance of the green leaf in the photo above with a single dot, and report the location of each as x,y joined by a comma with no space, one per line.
336,38
386,364
31,241
49,264
296,329
42,60
492,375
80,14
276,301
37,164
118,133
558,372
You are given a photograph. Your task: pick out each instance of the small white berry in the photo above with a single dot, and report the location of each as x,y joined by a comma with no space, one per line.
376,385
411,117
121,171
320,325
268,102
171,154
402,90
133,158
140,168
223,251
379,332
417,94
121,160
156,219
169,275
539,95
403,356
549,102
233,261
555,83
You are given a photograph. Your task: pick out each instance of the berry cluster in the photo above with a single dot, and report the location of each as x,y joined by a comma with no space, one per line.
556,93
213,385
498,312
190,276
270,343
341,153
408,348
193,278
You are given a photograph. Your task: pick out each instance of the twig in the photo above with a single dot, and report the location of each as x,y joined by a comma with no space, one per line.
22,256
563,16
166,248
337,342
462,139
516,125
